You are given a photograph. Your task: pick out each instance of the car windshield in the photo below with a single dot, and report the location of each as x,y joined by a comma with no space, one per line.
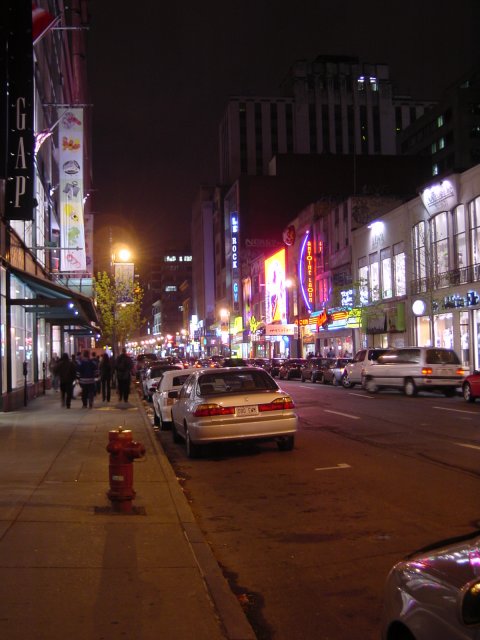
235,382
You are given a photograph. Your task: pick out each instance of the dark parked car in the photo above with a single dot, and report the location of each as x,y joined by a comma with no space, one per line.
234,362
315,368
275,365
471,387
263,363
334,373
291,368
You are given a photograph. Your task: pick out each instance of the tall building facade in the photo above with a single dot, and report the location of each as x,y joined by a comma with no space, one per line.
46,224
332,105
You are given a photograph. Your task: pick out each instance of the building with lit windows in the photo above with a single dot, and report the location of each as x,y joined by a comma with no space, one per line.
418,269
449,133
46,227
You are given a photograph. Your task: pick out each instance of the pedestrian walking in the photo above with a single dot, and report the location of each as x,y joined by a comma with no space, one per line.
105,377
87,372
67,374
123,368
52,367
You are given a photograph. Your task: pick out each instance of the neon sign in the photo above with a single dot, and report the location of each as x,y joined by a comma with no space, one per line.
306,271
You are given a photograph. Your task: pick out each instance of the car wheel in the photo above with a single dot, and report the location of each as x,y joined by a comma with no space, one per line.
410,388
286,443
346,382
370,385
467,393
193,450
175,435
156,419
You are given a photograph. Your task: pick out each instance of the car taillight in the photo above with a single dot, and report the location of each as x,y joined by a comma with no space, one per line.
279,404
460,372
426,371
205,410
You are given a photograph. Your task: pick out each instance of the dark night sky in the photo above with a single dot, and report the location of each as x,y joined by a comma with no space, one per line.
160,76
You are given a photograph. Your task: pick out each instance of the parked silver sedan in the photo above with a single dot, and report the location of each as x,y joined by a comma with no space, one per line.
242,403
435,593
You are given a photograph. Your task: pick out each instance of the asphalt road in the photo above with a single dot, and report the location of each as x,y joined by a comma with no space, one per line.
307,537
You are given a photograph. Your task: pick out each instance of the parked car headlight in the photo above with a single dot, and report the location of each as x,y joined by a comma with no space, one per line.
471,604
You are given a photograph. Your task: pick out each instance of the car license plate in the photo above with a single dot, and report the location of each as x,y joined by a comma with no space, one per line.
251,410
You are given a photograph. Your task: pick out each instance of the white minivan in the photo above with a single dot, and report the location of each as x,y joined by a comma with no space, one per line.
415,369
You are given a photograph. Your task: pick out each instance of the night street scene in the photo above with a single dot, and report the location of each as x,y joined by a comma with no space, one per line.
240,320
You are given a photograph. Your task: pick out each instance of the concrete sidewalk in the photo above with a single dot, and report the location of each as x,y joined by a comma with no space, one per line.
69,566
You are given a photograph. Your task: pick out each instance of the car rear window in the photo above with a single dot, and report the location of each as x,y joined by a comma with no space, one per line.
178,381
235,382
441,356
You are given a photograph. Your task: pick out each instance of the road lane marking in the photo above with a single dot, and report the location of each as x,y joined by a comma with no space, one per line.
468,446
341,465
339,413
472,413
361,395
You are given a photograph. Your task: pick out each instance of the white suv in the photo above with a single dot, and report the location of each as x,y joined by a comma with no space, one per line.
415,369
356,370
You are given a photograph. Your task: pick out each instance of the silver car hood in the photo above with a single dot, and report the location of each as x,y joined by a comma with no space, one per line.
454,562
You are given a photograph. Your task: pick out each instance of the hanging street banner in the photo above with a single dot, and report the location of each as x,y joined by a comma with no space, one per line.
72,227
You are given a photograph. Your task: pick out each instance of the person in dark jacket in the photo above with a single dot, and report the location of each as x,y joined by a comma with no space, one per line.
67,373
123,368
87,372
105,377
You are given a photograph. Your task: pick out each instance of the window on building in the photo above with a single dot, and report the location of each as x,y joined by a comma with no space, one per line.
399,273
439,230
440,121
435,170
459,239
441,143
374,274
474,207
386,268
363,280
373,83
419,251
361,83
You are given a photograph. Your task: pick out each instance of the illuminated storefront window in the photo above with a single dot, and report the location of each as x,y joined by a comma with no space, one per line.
399,275
440,243
386,262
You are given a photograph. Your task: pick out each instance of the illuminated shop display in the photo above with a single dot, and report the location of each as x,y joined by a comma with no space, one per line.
275,298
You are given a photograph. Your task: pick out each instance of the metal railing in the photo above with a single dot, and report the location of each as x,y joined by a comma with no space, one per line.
465,275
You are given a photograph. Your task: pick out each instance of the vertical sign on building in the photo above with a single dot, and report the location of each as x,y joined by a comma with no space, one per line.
234,238
306,269
72,229
20,140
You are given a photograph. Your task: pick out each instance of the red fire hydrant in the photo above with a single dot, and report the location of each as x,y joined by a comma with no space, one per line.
123,451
